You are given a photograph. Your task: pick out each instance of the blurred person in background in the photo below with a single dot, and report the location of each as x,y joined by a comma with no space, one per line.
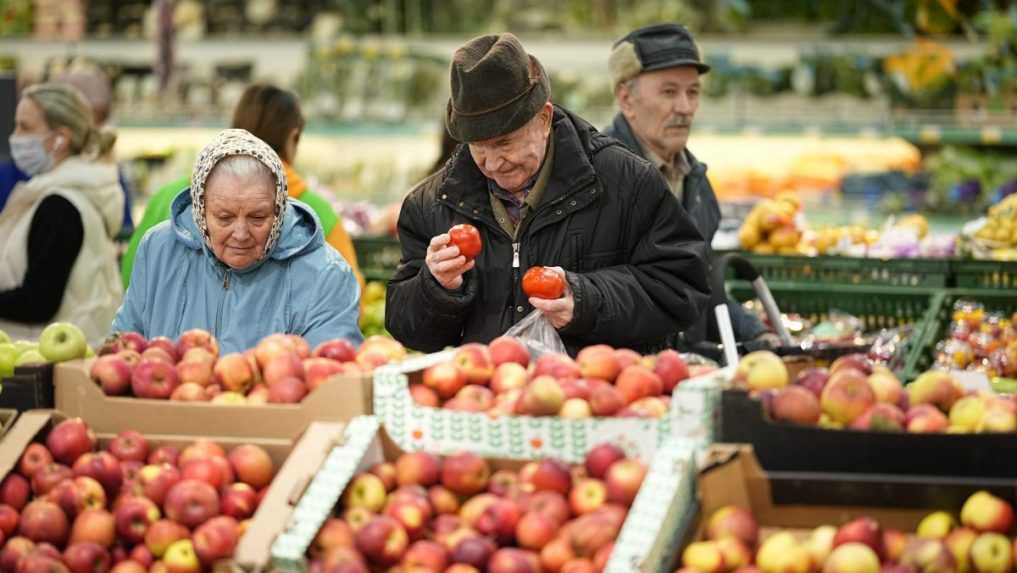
274,116
543,187
446,146
656,73
239,258
57,256
95,86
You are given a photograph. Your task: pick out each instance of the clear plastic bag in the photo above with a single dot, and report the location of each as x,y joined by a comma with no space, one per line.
536,332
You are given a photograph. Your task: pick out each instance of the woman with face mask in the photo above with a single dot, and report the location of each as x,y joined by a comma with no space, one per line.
57,256
239,258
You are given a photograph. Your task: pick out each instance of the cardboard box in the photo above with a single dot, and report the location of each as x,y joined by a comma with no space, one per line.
693,415
731,475
646,540
296,461
787,447
338,400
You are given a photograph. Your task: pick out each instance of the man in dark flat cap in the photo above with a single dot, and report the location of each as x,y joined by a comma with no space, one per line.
655,73
544,188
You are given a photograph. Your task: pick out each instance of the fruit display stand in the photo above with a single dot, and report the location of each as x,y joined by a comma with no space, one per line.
645,543
731,476
922,354
339,399
30,388
692,415
296,461
975,274
903,272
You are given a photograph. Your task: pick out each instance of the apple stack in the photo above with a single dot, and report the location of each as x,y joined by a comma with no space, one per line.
981,543
281,369
856,394
461,514
58,342
501,379
129,508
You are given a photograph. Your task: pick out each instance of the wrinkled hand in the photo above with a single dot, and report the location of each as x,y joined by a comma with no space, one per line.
558,311
445,263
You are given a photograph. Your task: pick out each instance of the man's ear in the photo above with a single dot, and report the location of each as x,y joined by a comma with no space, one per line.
623,95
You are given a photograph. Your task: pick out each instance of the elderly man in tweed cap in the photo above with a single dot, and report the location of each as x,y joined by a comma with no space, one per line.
544,188
656,73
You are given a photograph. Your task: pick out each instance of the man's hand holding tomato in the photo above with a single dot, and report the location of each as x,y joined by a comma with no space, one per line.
549,293
451,254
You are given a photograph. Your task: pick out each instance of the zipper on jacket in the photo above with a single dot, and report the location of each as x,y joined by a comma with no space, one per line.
222,302
515,257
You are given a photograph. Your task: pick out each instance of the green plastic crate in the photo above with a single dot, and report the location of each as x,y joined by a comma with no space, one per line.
921,356
878,307
929,273
970,274
378,257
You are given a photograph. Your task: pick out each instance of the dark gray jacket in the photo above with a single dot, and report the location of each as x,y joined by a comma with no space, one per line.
635,262
700,202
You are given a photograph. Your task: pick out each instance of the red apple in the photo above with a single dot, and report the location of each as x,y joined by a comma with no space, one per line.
233,373
556,554
475,362
512,560
252,465
813,380
557,366
606,400
94,525
411,514
846,396
133,518
733,521
203,470
602,457
164,455
128,566
598,361
505,349
535,530
200,449
239,501
317,371
104,468
424,396
472,398
87,557
166,344
197,338
191,503
465,474
46,478
156,480
550,504
863,530
442,500
156,380
551,475
982,512
671,368
502,482
446,379
333,533
163,533
15,490
79,494
129,445
339,349
44,521
543,396
638,381
418,468
499,520
287,391
8,521
624,479
70,439
216,539
112,373
425,555
880,417
195,372
14,551
34,457
473,550
797,405
382,540
588,495
142,555
156,354
285,365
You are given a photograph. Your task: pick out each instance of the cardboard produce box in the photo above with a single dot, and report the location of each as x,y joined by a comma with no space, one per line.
644,544
731,475
693,415
7,419
296,461
787,447
337,400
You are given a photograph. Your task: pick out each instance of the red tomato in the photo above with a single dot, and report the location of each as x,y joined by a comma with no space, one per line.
540,282
467,238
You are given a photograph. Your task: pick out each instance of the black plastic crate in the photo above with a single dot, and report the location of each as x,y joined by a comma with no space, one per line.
30,388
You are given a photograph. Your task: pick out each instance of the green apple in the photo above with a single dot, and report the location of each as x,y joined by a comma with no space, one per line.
89,352
8,354
24,346
62,341
4,338
30,357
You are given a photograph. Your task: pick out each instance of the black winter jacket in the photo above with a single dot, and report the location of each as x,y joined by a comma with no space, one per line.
634,260
701,204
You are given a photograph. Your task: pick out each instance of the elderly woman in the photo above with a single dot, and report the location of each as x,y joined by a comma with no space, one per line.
238,259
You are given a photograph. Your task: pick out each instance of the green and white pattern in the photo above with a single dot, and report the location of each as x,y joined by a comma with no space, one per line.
663,508
694,411
360,446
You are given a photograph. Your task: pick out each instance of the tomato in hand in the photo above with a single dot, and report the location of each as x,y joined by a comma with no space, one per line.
467,238
541,282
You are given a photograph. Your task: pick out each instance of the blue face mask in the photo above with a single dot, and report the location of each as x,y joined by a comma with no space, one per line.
30,155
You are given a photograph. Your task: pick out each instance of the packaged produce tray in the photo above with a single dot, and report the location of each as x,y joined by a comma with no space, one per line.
927,273
296,460
996,275
644,545
337,400
878,307
731,475
791,448
30,388
692,415
377,257
922,353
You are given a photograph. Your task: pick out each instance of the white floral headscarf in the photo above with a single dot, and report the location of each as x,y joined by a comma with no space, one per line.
238,142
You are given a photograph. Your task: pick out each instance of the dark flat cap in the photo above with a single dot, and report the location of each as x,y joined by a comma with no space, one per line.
496,88
651,48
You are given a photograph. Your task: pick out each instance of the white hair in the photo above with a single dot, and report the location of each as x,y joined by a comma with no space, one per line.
243,167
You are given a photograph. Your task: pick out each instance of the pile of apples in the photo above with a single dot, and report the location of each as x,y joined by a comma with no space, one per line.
281,369
773,226
129,508
58,342
425,513
980,340
499,378
979,544
857,394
